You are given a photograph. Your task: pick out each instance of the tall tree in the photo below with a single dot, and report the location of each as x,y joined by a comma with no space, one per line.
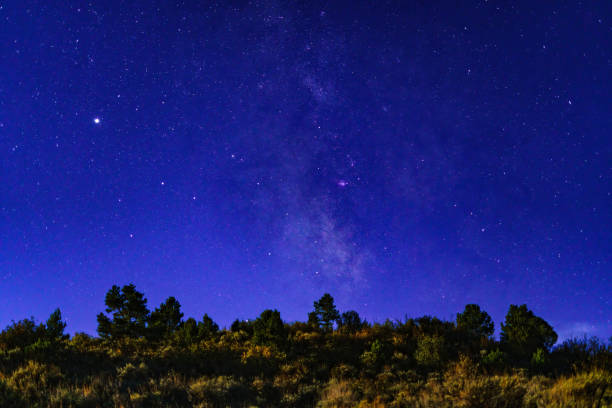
54,329
268,328
187,334
475,322
129,312
166,319
523,333
326,312
474,330
207,328
350,322
313,320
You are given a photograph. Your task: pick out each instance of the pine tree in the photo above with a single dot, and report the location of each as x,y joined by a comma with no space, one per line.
326,312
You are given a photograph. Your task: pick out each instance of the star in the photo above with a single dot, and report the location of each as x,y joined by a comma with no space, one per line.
96,120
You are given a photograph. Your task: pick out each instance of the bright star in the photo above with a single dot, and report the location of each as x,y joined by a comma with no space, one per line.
97,121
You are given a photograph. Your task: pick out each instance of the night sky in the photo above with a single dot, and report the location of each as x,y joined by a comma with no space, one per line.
407,157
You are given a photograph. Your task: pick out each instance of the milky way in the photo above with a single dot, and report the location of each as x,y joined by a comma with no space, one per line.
407,158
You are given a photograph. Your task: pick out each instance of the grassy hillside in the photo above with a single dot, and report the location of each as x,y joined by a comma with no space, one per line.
343,362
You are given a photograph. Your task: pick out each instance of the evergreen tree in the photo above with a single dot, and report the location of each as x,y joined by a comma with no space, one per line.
326,312
313,320
129,312
474,330
54,329
187,333
475,322
166,319
350,322
268,328
523,333
207,328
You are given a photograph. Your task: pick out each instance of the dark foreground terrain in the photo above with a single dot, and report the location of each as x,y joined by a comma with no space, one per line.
158,359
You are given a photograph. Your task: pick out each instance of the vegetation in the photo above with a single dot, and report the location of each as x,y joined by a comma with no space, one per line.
159,359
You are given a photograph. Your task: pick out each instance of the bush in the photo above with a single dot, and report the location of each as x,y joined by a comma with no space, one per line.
34,380
220,391
495,359
587,389
463,386
338,394
130,377
430,352
378,354
9,397
20,334
69,397
267,363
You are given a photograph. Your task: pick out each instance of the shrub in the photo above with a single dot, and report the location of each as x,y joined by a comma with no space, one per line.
20,334
429,352
34,379
495,359
70,397
172,391
338,394
9,397
378,354
587,389
463,387
130,376
220,391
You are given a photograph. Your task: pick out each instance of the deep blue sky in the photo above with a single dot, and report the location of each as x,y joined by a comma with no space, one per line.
407,157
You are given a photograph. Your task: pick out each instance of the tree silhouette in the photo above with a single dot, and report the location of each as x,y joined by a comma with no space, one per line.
207,328
313,320
326,312
268,328
192,331
350,322
474,329
187,334
26,332
436,361
20,334
129,313
523,333
165,319
475,322
54,329
242,325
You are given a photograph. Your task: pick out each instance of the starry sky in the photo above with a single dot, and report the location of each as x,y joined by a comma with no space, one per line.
407,157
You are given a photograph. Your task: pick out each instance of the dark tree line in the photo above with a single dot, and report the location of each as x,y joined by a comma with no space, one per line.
26,332
523,337
160,357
